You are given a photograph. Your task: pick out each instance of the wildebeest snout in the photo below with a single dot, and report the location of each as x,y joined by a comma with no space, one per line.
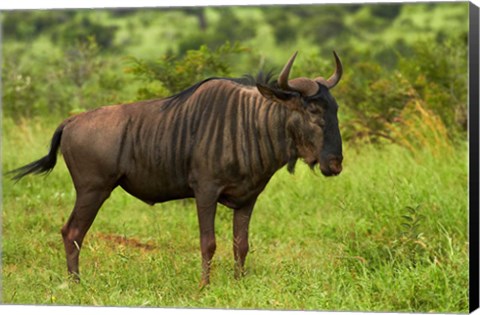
333,166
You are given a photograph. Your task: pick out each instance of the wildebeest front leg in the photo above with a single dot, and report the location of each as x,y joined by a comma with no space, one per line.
86,208
206,209
241,221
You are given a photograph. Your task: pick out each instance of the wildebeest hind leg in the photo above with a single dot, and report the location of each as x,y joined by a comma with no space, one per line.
86,207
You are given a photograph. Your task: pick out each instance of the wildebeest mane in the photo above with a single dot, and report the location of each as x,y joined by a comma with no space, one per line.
266,78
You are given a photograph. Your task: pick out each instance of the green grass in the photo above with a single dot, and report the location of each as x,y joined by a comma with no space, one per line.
389,234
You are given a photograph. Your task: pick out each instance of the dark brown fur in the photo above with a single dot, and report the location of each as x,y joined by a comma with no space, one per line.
220,141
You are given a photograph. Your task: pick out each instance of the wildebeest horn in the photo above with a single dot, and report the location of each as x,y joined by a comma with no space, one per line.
283,78
335,78
303,85
306,86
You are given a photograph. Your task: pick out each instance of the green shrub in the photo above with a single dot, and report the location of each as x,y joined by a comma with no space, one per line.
26,25
439,76
378,99
82,28
386,71
173,73
75,79
229,28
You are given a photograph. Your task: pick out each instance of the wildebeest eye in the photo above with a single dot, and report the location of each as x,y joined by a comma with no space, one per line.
315,109
314,105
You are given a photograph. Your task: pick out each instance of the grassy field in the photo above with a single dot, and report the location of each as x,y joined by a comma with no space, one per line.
389,234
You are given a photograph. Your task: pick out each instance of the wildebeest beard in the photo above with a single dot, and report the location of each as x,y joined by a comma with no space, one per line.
304,140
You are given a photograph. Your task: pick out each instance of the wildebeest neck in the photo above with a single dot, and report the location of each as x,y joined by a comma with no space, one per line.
222,130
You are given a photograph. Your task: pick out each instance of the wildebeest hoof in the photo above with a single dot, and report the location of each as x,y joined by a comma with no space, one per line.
203,283
74,277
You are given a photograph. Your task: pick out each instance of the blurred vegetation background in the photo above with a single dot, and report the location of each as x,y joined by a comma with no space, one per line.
404,63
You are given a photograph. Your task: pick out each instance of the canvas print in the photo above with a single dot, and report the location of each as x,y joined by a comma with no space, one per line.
279,157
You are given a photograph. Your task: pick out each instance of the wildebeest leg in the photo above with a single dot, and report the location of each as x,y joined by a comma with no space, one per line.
86,208
241,220
206,208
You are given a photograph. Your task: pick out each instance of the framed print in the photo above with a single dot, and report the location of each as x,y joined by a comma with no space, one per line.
259,156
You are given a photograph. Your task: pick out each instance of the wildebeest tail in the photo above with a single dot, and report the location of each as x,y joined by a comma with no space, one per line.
43,165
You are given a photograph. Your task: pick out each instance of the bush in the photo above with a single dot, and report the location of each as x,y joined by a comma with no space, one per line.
373,98
172,73
386,72
377,98
229,28
439,76
81,30
19,91
27,25
418,129
76,79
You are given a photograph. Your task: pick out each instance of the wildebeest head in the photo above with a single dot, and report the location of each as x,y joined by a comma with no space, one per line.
313,122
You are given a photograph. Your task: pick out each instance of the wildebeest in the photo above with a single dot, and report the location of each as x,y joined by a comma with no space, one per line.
220,140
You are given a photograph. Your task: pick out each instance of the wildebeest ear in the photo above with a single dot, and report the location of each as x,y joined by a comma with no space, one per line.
273,93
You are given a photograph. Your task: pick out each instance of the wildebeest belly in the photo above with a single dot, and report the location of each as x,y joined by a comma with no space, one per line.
155,189
240,193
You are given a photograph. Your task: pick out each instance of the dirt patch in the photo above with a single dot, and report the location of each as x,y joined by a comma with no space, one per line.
119,240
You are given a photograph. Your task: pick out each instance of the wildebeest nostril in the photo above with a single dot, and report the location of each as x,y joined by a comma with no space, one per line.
335,165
